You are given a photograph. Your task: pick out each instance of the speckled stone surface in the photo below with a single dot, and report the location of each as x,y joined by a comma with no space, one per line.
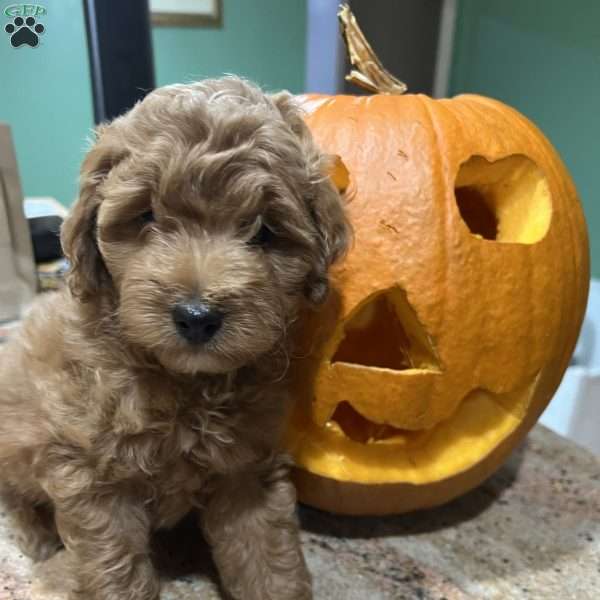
530,532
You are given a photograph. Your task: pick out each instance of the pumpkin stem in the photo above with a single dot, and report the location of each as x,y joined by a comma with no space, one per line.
368,71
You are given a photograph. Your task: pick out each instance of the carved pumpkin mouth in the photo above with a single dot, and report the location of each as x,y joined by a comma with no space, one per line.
351,447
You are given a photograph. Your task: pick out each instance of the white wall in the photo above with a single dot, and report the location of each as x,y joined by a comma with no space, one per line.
575,409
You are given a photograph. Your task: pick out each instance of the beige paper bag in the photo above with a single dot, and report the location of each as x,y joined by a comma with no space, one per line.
18,280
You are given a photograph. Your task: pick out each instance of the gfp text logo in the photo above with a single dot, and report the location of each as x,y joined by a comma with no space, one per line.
25,10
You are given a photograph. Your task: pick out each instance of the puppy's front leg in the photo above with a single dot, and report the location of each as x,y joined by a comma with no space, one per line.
251,524
107,540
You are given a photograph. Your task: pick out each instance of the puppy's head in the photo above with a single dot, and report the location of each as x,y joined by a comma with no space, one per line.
206,212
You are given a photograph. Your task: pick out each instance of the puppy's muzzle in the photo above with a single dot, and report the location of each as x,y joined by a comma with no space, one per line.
196,322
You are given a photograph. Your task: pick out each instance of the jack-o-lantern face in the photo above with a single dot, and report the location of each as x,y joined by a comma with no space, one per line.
454,315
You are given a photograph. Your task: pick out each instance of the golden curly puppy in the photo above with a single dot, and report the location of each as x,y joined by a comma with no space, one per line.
154,385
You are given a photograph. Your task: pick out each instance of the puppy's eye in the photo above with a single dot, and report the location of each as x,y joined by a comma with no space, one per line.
147,217
263,237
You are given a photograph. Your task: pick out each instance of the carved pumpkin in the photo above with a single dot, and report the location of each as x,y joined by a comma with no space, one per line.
453,318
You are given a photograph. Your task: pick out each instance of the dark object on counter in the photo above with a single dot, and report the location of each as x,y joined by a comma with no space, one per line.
45,236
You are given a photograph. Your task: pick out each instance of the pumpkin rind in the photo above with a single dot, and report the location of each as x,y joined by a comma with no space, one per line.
501,316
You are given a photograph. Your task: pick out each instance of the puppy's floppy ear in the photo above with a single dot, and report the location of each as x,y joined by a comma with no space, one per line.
328,179
88,274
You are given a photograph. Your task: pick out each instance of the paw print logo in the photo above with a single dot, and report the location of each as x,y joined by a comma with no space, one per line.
24,31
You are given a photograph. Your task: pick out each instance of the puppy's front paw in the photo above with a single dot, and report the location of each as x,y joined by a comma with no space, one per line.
268,582
35,532
298,587
133,578
39,544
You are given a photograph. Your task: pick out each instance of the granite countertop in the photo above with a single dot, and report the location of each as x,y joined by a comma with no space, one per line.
532,531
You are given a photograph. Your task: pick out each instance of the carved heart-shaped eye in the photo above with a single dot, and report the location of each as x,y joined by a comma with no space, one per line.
506,200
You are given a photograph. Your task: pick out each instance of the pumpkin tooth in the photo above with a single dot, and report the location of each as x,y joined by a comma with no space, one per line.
400,398
480,423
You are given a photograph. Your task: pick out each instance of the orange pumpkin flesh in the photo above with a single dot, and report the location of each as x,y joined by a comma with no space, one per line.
455,313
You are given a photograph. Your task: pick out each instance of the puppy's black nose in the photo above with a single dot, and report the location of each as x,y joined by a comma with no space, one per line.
196,322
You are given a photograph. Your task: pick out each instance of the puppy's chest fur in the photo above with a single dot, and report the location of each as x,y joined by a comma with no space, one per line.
170,440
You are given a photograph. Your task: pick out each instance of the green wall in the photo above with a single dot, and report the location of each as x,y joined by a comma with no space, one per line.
45,96
543,58
45,92
263,40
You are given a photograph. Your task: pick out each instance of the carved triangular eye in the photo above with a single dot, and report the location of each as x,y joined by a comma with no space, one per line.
385,333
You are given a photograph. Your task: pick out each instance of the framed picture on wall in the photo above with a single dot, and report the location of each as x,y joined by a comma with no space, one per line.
186,13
